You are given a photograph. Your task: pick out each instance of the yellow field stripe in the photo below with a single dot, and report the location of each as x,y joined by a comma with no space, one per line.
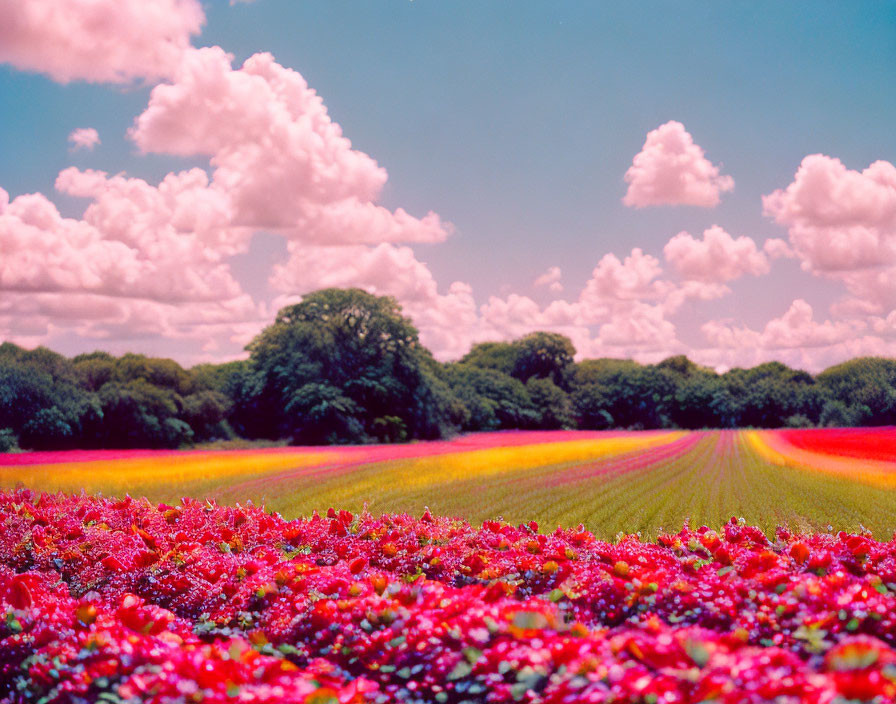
115,475
421,472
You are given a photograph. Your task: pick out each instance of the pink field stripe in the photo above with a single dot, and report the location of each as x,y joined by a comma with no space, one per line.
471,441
373,454
629,462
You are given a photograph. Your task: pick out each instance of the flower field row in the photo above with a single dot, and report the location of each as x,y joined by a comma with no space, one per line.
858,454
609,481
129,601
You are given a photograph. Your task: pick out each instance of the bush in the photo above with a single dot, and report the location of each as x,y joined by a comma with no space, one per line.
837,414
7,440
798,421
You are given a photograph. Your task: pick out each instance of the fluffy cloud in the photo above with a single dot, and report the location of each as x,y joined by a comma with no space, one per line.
84,138
283,163
551,278
42,251
842,225
838,219
383,270
776,248
143,256
193,332
795,338
180,220
640,327
114,41
798,328
144,264
672,170
717,258
634,278
795,329
63,275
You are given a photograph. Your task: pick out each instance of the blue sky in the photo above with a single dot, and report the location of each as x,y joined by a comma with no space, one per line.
516,122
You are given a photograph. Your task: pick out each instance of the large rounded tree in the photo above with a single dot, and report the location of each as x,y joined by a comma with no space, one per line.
346,366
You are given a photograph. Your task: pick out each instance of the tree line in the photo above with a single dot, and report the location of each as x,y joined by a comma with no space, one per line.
345,366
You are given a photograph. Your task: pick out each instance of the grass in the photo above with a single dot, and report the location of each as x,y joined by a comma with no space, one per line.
610,482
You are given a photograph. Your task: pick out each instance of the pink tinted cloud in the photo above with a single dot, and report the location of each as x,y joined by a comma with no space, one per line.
84,138
798,328
838,219
385,269
641,327
283,163
45,252
776,248
795,329
551,279
42,251
181,220
64,275
142,254
842,225
672,170
717,258
635,277
114,41
202,331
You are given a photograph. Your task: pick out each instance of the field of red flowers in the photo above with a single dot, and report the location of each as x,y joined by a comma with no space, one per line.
126,601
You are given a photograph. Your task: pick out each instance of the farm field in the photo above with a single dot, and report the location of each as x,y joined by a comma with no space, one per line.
611,482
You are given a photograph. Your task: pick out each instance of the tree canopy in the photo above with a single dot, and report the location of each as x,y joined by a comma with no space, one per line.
347,366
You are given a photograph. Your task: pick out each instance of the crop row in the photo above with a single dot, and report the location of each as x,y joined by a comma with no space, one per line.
132,601
609,481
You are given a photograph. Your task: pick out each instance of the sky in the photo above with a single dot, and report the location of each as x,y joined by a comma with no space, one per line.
650,179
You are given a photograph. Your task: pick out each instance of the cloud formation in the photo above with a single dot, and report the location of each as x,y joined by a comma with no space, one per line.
842,226
84,138
551,279
717,258
101,41
283,163
672,170
142,254
838,219
795,338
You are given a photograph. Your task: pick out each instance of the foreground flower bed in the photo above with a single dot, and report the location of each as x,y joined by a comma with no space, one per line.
116,601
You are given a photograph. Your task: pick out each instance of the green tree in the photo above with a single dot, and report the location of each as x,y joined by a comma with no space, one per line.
346,366
766,395
632,395
495,401
94,369
500,356
553,404
205,412
138,414
544,355
837,414
867,385
702,400
157,371
8,440
40,401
